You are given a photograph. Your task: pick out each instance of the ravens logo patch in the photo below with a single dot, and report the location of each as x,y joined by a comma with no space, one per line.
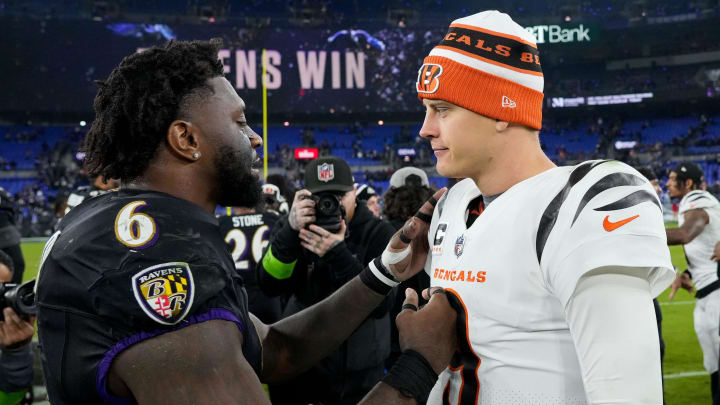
165,292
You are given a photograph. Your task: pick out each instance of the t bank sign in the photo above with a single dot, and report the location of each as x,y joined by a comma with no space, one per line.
555,34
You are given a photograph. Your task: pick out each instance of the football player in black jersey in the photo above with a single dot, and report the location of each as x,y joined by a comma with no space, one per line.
246,233
139,300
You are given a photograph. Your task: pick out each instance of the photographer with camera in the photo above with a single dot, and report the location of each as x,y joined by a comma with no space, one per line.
16,358
10,235
324,242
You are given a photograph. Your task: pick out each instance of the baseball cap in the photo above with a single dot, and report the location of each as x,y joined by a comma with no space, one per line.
328,173
689,170
489,64
364,192
409,176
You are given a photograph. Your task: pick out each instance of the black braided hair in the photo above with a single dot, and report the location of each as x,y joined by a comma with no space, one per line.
143,95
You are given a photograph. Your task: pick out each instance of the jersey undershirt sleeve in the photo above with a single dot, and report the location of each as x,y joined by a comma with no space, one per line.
616,339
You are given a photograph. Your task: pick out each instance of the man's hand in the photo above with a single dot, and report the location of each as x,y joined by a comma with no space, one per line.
404,258
681,280
716,253
319,240
431,330
15,332
302,211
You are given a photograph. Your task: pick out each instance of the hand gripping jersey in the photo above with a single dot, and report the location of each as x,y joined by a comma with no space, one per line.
247,238
704,271
124,267
516,267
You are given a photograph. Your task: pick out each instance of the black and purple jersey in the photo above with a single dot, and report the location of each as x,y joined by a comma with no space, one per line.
125,267
247,238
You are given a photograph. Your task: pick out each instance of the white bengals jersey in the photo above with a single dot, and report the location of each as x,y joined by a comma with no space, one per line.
698,251
516,267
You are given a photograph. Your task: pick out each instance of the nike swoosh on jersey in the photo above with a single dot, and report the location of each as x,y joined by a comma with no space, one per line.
611,226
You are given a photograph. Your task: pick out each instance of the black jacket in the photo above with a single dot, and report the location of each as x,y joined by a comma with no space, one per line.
10,236
351,371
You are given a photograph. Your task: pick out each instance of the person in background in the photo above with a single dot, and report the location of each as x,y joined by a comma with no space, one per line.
409,189
272,199
16,357
367,195
287,192
246,233
10,236
698,231
315,250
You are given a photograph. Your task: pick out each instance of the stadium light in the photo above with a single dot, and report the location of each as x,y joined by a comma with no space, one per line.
381,122
568,18
83,123
286,123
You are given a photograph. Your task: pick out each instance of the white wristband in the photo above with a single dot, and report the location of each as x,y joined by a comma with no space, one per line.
380,276
389,257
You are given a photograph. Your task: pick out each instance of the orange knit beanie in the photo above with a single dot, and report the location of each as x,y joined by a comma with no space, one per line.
488,64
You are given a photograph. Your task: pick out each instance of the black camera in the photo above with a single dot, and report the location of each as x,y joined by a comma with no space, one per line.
329,213
19,297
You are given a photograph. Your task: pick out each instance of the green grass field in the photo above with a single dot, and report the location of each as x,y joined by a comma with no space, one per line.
682,353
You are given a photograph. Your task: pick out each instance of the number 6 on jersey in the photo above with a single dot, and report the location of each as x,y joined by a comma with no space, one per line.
135,229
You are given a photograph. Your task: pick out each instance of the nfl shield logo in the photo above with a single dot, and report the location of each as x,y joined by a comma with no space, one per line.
326,172
165,292
459,245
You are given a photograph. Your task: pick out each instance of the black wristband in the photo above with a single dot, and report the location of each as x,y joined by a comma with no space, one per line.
688,273
412,376
367,277
384,270
423,217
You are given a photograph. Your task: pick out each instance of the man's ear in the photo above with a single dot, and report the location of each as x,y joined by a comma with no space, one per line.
501,126
183,140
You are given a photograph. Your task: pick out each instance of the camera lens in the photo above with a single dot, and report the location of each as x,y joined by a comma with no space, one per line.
328,205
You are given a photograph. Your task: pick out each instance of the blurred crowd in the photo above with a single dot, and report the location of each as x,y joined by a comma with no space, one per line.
54,161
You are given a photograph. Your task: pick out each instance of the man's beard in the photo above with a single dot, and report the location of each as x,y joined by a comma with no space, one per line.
237,185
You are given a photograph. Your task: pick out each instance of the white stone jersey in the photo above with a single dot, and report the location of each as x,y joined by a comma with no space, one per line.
516,267
698,251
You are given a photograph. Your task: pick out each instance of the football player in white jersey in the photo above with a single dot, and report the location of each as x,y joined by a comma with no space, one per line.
552,269
698,231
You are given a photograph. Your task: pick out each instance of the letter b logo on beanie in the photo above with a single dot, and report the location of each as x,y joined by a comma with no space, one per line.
427,81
